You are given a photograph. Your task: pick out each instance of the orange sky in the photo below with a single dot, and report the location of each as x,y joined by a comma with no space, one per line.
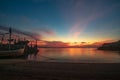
71,44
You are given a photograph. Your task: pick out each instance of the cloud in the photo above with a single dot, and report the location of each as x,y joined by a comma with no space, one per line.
75,44
80,13
26,33
83,42
36,25
76,34
27,26
55,44
47,31
37,34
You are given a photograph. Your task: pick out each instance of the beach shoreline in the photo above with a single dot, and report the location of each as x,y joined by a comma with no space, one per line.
18,69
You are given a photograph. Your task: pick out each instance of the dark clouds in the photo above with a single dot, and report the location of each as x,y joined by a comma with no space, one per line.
25,33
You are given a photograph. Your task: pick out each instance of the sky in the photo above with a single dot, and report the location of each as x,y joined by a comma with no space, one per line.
64,21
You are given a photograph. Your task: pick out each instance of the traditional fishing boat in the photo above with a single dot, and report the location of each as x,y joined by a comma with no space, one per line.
12,50
15,48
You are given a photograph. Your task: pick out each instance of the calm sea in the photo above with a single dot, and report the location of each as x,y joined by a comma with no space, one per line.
76,55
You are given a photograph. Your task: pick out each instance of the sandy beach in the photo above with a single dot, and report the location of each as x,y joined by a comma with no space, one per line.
16,69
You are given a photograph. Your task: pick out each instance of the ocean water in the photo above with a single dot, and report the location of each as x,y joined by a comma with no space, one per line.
76,55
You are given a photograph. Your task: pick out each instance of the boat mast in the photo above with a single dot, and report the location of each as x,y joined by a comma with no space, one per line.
36,44
2,37
10,32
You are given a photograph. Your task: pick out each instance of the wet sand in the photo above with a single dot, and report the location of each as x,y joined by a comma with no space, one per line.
30,70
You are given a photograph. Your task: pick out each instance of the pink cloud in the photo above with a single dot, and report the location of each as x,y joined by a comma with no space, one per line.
55,44
47,31
80,13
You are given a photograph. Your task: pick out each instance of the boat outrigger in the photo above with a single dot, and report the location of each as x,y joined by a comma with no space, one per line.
12,53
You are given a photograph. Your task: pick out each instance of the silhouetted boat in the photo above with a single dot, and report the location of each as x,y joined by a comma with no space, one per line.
15,49
12,50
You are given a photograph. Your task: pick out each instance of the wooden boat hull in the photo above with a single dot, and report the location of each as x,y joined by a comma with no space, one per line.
12,53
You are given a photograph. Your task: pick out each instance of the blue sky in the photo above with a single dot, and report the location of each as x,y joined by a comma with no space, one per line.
64,20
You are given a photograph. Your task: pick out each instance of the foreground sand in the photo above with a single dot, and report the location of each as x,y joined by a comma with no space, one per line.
29,70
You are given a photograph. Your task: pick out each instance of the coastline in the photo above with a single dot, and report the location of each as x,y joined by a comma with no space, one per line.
18,69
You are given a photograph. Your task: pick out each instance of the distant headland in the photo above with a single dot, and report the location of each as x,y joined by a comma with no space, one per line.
114,46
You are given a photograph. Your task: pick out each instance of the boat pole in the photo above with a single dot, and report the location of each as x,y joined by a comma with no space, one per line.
10,31
36,43
31,44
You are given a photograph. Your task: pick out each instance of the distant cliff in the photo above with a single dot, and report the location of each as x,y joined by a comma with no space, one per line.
115,46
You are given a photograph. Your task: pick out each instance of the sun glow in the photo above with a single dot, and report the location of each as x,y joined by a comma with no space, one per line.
74,43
